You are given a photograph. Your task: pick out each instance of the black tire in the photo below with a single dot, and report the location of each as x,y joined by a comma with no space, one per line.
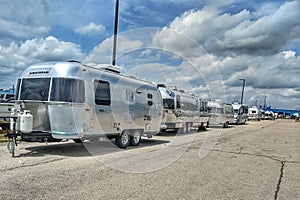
201,127
77,141
123,139
135,138
226,125
163,130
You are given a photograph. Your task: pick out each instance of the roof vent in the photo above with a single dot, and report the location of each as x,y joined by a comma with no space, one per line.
76,61
107,67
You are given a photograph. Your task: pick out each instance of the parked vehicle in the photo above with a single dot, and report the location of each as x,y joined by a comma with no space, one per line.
254,113
240,113
5,97
5,109
220,113
182,111
268,115
70,100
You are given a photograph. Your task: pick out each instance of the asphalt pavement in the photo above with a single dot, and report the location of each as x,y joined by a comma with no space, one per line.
259,160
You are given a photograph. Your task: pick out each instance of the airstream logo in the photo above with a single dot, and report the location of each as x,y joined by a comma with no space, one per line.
39,72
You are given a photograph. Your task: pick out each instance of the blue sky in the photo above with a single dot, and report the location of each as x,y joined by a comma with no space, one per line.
203,47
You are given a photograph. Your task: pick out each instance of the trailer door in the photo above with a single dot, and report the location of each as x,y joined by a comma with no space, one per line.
103,106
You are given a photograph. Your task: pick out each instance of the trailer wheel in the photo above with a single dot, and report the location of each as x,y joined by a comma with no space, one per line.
135,138
201,127
77,140
226,124
123,139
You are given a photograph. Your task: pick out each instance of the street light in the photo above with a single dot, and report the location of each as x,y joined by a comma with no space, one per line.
242,79
115,33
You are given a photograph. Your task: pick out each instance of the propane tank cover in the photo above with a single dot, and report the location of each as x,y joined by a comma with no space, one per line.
26,121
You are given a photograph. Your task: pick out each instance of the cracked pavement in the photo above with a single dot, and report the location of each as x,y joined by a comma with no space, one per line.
259,160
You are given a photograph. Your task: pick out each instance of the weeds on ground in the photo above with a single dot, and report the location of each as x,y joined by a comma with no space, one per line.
2,136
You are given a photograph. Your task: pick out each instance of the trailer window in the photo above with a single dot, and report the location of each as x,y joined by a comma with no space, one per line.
168,103
102,93
67,90
36,89
18,89
217,110
246,110
228,110
150,103
178,102
188,106
204,107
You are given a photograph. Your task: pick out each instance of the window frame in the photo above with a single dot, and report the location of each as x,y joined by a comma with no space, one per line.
102,102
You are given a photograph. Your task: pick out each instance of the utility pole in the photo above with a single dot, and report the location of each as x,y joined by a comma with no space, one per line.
242,79
115,34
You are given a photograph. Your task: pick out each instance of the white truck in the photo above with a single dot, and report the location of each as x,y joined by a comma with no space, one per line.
5,109
6,97
240,113
254,113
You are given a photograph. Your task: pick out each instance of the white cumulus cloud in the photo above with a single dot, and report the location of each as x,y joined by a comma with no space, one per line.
18,56
90,29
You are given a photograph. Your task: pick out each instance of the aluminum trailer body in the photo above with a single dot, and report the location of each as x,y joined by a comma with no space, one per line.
70,100
220,113
182,111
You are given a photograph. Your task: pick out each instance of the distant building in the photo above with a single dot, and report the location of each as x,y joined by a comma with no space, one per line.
283,112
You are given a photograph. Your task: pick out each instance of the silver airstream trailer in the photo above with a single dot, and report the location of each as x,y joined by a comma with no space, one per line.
220,113
70,100
182,111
